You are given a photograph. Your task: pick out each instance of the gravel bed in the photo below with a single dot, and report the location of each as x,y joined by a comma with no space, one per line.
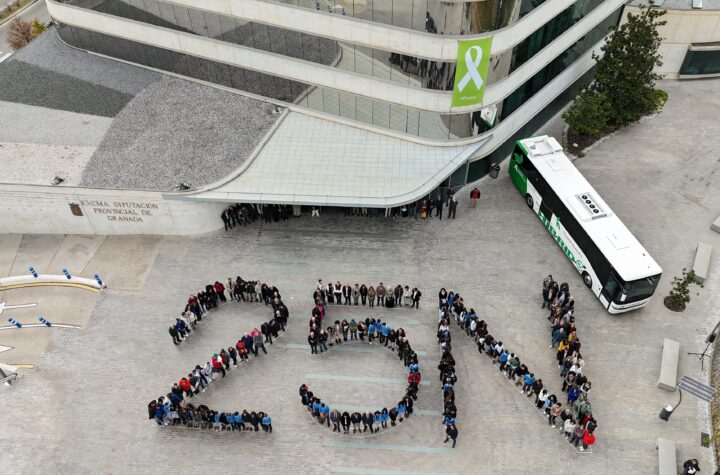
28,84
177,131
31,124
49,52
39,164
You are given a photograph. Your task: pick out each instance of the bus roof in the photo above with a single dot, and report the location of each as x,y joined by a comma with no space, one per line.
624,252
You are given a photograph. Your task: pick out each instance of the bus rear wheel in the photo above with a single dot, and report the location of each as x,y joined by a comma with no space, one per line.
529,200
587,279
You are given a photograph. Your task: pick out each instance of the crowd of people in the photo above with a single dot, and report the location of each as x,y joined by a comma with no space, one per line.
448,378
169,409
202,417
574,418
373,421
343,331
242,214
347,294
337,332
238,290
564,339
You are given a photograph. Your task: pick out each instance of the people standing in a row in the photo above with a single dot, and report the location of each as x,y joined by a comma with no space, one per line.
448,378
575,418
373,421
348,294
167,414
242,214
201,376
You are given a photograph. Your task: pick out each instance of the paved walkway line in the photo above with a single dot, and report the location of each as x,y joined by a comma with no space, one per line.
361,379
377,471
348,444
349,349
351,408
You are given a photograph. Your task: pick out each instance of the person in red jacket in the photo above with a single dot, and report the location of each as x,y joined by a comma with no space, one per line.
185,385
220,290
587,440
217,364
474,197
414,379
242,350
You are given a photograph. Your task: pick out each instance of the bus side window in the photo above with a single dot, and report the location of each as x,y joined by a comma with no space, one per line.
545,209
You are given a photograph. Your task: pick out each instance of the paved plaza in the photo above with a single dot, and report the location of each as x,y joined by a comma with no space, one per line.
83,408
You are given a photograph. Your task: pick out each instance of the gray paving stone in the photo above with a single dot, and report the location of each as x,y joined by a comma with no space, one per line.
91,387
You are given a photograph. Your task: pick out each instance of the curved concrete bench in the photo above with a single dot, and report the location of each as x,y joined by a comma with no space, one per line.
667,457
16,282
669,366
702,261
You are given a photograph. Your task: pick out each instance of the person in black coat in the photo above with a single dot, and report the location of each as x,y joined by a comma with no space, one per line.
451,432
347,293
345,422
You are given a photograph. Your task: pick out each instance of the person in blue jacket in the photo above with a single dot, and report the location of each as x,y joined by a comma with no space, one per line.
377,418
527,383
266,422
384,416
401,410
385,331
324,412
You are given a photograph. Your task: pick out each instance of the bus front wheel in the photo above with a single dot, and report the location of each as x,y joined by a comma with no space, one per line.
529,200
587,279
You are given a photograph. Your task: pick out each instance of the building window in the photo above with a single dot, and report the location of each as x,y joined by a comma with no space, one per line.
701,60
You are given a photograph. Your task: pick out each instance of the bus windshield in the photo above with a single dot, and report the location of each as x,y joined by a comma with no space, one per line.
637,289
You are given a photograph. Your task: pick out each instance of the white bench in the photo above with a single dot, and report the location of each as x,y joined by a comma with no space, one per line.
669,365
667,457
715,226
702,261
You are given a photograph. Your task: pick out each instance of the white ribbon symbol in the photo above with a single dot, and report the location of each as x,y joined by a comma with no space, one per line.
472,68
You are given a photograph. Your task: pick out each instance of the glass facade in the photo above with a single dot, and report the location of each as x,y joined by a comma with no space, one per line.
558,65
479,168
413,71
432,16
394,117
542,37
701,61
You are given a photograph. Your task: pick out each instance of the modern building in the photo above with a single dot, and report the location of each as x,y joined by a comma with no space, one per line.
691,37
362,84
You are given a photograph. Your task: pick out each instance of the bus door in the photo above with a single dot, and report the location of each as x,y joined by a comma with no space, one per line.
610,290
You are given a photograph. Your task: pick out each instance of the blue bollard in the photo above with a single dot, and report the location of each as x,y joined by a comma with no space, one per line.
14,322
67,274
99,281
43,320
33,272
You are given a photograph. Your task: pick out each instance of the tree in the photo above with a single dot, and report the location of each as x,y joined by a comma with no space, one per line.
625,71
19,33
588,116
680,293
624,87
37,28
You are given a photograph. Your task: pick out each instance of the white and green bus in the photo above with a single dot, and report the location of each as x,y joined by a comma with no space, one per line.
612,262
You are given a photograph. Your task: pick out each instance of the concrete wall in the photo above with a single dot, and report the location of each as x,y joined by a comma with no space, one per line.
683,28
326,76
49,210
